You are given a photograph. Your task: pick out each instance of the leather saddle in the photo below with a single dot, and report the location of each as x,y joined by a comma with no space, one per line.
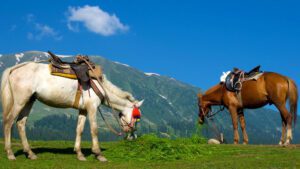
77,69
235,78
81,69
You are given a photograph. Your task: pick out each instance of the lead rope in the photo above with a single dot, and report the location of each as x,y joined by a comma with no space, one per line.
214,126
108,102
108,125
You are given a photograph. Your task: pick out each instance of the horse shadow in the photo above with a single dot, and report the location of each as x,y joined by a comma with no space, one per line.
69,150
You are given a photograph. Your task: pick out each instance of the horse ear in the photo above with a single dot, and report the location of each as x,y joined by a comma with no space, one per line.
199,98
139,104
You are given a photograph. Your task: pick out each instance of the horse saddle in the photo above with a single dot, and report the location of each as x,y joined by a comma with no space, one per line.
81,69
235,78
78,69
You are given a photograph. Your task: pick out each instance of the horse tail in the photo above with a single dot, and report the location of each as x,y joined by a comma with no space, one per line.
6,91
293,99
6,94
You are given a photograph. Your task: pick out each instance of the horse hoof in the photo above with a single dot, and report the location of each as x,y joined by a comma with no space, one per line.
280,143
11,157
32,157
245,143
287,143
81,158
101,158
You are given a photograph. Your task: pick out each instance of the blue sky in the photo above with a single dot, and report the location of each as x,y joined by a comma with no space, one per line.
193,41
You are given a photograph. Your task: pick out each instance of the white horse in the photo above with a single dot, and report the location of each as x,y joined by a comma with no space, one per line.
23,83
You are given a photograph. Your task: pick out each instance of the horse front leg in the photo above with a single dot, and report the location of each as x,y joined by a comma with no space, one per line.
243,127
234,117
94,133
79,130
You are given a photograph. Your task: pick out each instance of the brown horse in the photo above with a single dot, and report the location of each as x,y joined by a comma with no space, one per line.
270,88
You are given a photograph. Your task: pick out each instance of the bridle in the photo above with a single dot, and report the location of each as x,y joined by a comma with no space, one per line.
135,117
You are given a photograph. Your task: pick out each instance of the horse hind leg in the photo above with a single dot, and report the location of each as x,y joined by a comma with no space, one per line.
8,122
21,122
283,133
286,124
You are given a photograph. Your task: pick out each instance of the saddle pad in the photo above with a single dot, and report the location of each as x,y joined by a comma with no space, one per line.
67,73
254,77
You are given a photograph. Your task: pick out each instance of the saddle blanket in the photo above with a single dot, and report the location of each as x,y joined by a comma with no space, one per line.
225,74
67,73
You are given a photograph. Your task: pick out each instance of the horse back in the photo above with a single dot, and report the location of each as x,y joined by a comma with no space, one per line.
269,87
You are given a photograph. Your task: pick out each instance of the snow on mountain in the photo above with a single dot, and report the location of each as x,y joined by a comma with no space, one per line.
152,74
64,56
18,57
164,97
38,58
46,54
61,56
122,64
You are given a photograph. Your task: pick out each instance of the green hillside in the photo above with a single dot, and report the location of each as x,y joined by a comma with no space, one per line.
152,152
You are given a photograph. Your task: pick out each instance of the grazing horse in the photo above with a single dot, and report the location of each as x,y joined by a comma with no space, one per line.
24,83
270,88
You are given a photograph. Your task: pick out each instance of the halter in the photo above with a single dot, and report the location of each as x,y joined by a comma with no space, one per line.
135,117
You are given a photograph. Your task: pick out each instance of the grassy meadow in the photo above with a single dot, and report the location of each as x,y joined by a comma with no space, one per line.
151,152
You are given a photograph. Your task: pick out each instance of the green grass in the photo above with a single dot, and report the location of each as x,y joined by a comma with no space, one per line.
152,152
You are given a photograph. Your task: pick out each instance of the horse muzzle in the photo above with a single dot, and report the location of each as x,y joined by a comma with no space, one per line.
201,120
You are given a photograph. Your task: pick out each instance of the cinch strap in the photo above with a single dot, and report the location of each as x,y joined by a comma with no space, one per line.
77,97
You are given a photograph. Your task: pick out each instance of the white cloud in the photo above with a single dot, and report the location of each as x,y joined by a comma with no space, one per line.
41,30
95,20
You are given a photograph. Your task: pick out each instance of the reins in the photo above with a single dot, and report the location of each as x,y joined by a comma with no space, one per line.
212,114
107,124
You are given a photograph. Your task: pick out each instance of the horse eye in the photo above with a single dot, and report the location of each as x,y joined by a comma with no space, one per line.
120,115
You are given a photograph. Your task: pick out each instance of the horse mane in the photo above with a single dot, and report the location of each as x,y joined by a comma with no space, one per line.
214,94
213,89
116,90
